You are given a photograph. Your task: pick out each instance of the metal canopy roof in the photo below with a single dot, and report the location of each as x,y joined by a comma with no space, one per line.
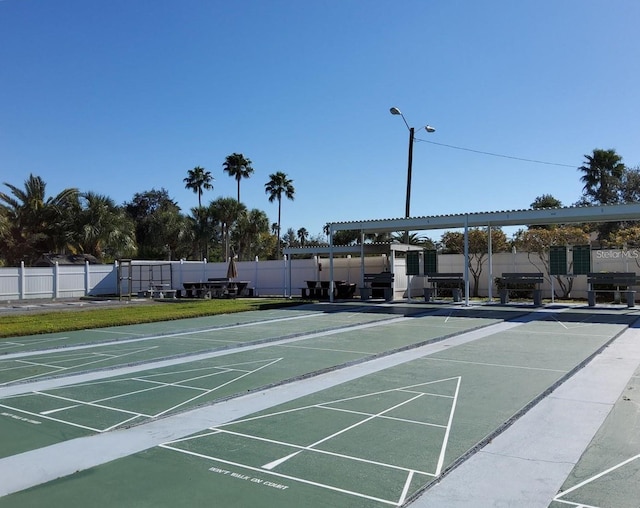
564,215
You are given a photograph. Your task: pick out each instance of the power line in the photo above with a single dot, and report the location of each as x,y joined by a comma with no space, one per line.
497,154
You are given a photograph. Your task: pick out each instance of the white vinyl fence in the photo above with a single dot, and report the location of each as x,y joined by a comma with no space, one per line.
276,278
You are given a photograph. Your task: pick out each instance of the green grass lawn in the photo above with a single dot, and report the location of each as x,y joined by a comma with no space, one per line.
67,320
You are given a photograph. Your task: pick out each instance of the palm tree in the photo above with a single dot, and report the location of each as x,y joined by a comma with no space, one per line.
227,211
33,220
249,229
238,167
278,185
303,236
602,172
198,179
103,228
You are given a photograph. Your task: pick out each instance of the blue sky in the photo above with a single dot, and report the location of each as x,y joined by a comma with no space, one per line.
123,96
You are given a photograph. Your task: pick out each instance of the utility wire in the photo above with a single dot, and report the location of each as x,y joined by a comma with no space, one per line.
496,154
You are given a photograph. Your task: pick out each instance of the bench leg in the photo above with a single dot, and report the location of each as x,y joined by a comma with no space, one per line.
457,294
537,297
591,298
631,298
504,296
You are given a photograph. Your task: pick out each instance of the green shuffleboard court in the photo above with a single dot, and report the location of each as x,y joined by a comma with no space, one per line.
377,439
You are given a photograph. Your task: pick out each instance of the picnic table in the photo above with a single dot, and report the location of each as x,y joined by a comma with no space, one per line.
215,288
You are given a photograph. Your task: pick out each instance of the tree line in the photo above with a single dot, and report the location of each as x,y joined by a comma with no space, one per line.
149,226
152,225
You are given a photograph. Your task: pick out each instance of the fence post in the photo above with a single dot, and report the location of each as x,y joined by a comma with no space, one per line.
56,280
255,283
87,278
21,285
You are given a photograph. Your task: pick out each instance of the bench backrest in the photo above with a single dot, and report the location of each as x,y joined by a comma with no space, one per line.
444,275
385,278
615,278
525,277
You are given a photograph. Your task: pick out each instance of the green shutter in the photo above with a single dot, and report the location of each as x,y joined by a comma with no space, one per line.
581,259
413,262
558,260
430,261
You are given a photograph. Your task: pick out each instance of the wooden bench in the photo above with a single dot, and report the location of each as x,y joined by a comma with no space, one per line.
516,281
377,285
613,282
448,281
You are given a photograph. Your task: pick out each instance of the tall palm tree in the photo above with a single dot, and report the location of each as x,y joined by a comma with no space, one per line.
198,180
602,172
279,183
239,167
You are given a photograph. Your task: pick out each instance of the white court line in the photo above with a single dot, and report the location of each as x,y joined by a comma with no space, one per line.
595,477
37,364
216,388
280,475
22,367
522,367
52,411
447,432
91,404
301,448
293,346
356,397
38,415
312,446
62,369
392,418
405,489
160,384
577,505
151,337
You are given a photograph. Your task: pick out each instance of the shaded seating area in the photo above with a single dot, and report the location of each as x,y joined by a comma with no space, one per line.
616,283
442,283
377,285
515,284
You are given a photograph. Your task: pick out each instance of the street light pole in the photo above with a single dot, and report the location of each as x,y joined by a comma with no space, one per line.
409,169
428,128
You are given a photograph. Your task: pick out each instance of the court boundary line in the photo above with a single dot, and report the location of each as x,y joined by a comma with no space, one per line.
268,468
592,479
157,335
134,414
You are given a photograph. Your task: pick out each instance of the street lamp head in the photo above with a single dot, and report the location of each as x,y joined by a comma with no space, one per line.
428,128
395,111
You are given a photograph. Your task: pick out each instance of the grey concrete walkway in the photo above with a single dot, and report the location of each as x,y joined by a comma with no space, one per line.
526,465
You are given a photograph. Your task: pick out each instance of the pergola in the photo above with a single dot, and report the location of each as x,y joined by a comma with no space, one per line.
546,216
